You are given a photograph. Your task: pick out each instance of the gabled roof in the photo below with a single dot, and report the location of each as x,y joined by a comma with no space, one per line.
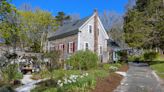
68,29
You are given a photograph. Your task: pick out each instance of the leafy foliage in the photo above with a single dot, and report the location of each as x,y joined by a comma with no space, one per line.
142,24
149,56
36,25
6,89
61,17
53,61
83,60
10,73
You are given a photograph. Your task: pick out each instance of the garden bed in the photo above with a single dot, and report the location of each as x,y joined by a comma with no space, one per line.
110,83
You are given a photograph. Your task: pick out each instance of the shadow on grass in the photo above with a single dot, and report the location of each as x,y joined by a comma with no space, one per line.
155,62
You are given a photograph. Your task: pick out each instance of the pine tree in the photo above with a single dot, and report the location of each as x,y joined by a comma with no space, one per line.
143,24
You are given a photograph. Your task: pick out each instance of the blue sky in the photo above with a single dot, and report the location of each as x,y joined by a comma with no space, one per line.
81,7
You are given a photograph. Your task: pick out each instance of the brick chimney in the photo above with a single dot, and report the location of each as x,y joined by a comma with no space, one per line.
95,31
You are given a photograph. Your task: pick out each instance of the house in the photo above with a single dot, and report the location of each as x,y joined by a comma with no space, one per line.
85,34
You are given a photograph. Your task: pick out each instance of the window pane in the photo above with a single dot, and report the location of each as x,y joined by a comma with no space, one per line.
90,29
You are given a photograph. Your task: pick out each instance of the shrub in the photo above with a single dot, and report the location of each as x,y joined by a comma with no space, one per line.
6,89
10,73
53,61
84,60
122,55
134,58
149,56
113,68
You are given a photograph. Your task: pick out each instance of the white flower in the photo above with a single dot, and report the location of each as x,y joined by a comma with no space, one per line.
113,68
61,84
59,81
81,76
86,74
65,81
69,81
73,80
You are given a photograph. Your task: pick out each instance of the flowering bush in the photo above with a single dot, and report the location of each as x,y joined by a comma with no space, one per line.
71,79
113,68
75,83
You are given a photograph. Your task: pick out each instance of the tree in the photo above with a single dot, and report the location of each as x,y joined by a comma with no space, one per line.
53,61
36,25
61,17
143,24
130,4
9,24
5,8
114,24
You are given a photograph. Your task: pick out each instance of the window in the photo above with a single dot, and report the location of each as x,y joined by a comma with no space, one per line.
90,28
101,50
86,46
71,47
98,31
61,47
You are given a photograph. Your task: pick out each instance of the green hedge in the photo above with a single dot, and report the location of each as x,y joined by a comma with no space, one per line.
147,56
84,60
150,56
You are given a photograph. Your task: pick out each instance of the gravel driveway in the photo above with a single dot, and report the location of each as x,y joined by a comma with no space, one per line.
139,79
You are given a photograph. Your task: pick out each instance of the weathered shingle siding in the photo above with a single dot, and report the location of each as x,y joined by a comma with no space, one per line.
64,41
86,36
103,42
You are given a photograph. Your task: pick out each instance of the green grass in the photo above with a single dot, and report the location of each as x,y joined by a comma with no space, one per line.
160,58
158,66
159,69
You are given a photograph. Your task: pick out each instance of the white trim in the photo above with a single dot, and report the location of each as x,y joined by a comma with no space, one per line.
78,41
69,51
104,31
86,22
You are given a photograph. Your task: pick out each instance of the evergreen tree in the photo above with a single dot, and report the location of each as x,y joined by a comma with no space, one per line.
143,24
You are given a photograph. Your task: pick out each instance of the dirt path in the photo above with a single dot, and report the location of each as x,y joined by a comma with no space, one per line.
28,84
111,82
140,78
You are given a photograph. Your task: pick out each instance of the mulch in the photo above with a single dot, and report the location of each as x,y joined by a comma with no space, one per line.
124,68
110,83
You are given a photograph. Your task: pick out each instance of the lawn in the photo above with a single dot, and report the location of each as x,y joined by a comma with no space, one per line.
158,66
159,69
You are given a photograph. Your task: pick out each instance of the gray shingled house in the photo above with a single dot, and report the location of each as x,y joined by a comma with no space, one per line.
85,34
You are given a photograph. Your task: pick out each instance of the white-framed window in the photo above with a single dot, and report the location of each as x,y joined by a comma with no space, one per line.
70,47
61,47
86,46
90,28
100,50
98,31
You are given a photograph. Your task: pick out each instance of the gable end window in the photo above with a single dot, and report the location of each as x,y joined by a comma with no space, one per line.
90,28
